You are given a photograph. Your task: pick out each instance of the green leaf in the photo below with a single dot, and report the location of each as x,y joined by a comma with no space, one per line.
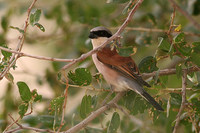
40,26
176,99
35,96
56,105
35,17
196,86
4,23
85,108
196,105
94,101
31,20
179,37
114,123
185,50
178,70
24,91
23,109
16,28
126,51
196,47
164,45
81,76
134,103
195,58
148,65
5,53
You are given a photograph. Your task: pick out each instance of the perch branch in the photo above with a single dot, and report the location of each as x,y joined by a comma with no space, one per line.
116,35
94,114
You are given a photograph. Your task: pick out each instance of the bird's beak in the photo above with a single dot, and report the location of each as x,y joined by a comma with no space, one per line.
92,35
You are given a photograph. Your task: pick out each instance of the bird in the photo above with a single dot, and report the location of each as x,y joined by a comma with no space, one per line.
120,72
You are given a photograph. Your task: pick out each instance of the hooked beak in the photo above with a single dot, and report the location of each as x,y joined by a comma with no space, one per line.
92,36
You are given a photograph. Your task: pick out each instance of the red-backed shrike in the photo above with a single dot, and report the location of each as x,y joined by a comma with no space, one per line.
120,72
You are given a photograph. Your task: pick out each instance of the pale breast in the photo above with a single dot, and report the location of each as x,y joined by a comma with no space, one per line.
111,76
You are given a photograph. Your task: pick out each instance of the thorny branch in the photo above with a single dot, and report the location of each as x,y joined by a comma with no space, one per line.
184,78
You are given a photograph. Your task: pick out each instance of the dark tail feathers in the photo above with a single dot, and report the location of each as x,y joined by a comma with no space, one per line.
152,101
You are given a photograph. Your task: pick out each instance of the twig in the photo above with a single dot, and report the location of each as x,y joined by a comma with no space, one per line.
106,99
195,23
184,78
21,127
156,30
120,30
13,59
14,122
94,114
89,88
64,107
21,54
177,90
168,72
171,25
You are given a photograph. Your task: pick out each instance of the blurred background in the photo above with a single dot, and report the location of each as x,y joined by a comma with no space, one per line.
67,24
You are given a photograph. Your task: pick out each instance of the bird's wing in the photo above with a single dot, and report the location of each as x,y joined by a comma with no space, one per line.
125,65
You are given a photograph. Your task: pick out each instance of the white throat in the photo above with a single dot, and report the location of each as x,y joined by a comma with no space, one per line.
97,42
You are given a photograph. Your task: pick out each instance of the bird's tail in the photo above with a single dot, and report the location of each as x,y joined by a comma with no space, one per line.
151,100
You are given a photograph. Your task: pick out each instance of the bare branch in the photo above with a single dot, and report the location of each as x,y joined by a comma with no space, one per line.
120,30
21,54
64,107
21,127
184,78
94,114
168,72
156,30
194,22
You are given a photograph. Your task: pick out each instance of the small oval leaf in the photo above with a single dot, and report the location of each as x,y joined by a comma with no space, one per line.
148,65
81,76
40,26
126,51
114,123
24,91
23,109
86,104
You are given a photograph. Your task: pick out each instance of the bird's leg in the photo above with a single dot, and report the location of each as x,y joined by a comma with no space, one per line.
108,96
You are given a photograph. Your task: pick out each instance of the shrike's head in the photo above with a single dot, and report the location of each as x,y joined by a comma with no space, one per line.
99,35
